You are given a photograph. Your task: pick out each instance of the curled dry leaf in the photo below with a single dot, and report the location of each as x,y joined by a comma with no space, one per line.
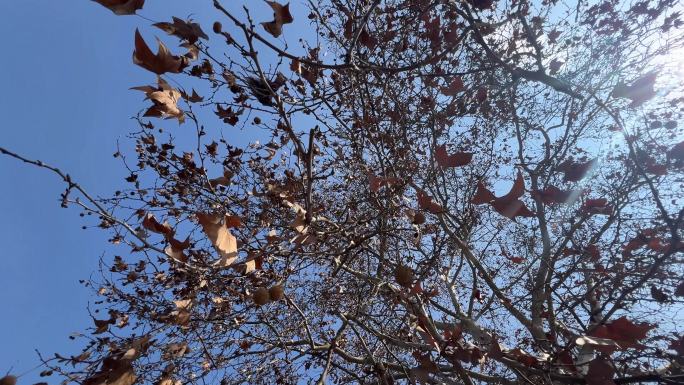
552,195
219,236
508,205
639,91
575,171
122,7
184,29
150,223
455,87
623,331
426,202
445,160
281,15
161,62
165,99
377,182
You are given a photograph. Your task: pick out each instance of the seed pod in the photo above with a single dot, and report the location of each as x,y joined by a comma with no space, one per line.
276,292
403,275
419,218
8,380
261,296
217,27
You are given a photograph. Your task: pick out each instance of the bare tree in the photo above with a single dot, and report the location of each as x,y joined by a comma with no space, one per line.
436,191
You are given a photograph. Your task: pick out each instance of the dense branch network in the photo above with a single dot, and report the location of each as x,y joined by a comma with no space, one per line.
437,192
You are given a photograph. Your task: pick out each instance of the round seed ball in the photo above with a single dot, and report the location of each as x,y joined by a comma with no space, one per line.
276,292
403,275
261,296
217,27
8,380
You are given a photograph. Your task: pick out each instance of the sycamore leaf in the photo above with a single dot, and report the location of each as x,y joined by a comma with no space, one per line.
159,63
445,160
575,171
186,30
426,202
552,195
114,371
219,236
192,98
597,206
165,99
122,7
482,195
481,4
454,88
281,15
639,91
623,331
600,373
101,326
377,182
508,205
175,249
151,224
659,295
676,153
679,291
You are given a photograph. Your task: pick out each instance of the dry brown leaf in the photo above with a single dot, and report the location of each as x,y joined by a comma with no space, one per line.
219,236
151,224
159,63
113,372
184,29
281,15
165,99
122,7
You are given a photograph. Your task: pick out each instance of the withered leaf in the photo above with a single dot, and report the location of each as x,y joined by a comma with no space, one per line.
639,91
445,160
575,171
159,63
151,224
114,371
281,15
184,29
508,205
454,88
165,99
122,7
192,98
623,331
219,235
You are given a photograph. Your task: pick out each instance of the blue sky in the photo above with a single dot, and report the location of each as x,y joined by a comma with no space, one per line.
66,75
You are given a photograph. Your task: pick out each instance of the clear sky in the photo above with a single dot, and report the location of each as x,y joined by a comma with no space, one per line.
66,73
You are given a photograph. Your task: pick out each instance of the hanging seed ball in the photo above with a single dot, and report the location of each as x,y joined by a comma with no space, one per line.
419,219
8,380
403,275
276,292
217,27
261,296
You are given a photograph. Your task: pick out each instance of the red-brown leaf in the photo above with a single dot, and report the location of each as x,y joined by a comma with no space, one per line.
281,15
122,7
444,159
575,171
161,62
623,331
